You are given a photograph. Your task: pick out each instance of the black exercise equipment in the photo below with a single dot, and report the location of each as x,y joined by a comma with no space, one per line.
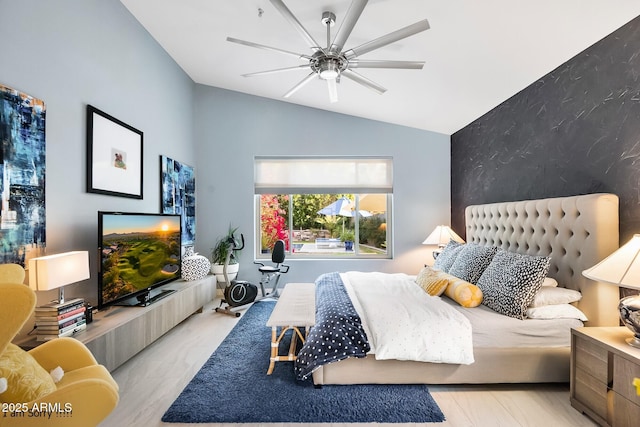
270,272
236,292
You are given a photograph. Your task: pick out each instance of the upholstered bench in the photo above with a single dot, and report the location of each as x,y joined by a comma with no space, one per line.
296,308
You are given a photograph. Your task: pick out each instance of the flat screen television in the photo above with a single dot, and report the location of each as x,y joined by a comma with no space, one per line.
138,253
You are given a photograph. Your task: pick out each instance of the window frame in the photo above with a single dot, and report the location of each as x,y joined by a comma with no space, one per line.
355,255
339,175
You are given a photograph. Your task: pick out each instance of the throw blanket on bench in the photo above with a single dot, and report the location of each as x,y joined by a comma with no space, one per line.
338,332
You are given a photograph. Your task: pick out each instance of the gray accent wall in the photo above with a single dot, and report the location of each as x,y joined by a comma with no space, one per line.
574,131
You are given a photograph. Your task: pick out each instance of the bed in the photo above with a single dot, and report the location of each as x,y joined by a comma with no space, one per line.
575,233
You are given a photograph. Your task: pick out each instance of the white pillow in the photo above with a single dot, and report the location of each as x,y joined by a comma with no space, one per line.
550,282
556,311
552,296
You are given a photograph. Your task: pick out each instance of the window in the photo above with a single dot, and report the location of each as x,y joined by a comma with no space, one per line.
324,207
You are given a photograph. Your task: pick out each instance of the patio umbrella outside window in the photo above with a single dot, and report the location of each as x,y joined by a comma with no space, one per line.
342,207
376,203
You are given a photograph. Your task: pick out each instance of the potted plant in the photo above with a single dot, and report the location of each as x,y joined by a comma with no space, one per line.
348,236
226,246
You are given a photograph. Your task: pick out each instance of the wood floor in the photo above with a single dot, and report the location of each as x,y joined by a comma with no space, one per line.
151,381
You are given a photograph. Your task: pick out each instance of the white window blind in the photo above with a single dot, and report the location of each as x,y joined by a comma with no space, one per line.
320,175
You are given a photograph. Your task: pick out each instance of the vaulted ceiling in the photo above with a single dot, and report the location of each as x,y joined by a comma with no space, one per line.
477,53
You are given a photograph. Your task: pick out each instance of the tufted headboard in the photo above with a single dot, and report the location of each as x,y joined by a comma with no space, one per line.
577,232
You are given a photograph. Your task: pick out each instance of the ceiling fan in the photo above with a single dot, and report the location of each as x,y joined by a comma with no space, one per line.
333,61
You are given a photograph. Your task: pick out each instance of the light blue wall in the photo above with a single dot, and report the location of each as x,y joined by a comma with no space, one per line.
71,53
231,128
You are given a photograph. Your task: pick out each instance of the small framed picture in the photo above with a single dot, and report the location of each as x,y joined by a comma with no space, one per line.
114,156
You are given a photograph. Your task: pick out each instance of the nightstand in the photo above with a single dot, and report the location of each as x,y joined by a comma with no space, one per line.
603,367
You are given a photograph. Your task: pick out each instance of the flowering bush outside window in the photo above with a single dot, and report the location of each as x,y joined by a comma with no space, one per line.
273,221
325,225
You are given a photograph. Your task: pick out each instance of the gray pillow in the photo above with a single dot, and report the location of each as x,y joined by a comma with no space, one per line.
445,260
472,261
511,281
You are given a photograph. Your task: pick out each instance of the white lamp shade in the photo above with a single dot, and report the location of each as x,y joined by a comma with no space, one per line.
441,236
54,271
621,267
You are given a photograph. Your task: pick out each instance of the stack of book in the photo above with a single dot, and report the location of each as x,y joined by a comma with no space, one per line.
60,320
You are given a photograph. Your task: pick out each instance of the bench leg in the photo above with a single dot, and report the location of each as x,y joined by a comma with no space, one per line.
292,346
275,344
274,349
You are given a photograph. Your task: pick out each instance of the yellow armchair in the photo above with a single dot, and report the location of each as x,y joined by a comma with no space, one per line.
84,396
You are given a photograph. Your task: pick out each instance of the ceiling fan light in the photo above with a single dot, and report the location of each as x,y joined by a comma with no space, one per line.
329,74
329,70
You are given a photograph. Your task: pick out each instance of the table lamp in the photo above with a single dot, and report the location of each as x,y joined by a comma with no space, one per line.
622,268
57,271
440,236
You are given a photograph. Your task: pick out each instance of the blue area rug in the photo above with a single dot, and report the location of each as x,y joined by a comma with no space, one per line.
233,387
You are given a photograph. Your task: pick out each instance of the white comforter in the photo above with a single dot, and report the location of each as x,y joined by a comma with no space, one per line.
403,322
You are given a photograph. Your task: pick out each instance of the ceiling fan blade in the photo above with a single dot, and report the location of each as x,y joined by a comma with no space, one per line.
299,85
279,70
261,46
284,11
358,78
407,65
388,39
333,90
349,21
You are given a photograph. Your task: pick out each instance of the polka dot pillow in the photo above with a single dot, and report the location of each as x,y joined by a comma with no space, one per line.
445,260
511,281
472,261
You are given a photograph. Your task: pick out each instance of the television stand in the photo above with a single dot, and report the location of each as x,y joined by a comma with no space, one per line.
117,334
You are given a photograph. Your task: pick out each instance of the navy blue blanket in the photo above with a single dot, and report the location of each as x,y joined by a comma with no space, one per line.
338,332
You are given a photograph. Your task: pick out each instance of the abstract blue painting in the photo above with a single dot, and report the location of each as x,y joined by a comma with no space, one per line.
178,182
22,167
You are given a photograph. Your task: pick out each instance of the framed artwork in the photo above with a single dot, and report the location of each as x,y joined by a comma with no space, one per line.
22,176
178,187
114,156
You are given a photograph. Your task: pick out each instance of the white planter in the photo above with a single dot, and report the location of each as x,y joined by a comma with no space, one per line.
232,271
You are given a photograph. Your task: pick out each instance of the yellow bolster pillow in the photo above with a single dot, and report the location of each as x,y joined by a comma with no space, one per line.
464,293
